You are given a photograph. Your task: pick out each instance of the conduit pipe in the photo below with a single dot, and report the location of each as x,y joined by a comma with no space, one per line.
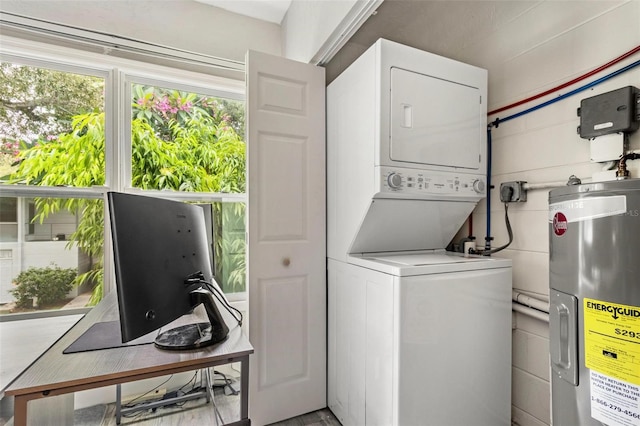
573,180
530,302
530,306
546,185
534,313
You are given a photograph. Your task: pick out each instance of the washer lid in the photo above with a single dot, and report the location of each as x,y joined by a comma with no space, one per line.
436,262
425,259
408,225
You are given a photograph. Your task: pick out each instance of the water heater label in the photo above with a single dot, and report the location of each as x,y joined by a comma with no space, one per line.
560,224
612,339
588,208
612,352
614,402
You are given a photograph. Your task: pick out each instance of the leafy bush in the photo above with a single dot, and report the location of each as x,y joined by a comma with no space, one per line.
48,285
180,142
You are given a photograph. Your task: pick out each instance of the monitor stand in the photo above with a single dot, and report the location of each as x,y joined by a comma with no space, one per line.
198,335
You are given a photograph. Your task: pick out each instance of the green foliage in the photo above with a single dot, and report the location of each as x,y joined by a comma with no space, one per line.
38,102
160,107
46,285
230,248
193,152
71,159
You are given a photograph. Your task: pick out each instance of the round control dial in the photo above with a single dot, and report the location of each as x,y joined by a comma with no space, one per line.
478,186
394,180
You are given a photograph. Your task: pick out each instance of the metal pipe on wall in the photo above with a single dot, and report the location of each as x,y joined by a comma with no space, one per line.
530,306
545,185
530,302
534,313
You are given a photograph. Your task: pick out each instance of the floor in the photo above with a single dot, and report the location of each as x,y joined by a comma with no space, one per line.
198,413
192,413
316,418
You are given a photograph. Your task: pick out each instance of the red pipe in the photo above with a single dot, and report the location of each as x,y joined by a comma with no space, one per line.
568,83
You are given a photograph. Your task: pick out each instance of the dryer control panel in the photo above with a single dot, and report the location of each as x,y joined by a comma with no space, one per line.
421,183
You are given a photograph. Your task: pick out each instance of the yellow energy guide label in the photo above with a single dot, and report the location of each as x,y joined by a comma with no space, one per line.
612,339
612,353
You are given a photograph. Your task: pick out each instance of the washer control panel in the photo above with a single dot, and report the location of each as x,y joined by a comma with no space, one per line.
423,182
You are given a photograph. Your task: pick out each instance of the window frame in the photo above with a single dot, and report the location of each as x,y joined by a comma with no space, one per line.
119,74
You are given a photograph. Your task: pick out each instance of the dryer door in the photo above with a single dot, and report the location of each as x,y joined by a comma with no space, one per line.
435,121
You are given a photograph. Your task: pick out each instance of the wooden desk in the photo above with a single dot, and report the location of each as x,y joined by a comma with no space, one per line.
55,373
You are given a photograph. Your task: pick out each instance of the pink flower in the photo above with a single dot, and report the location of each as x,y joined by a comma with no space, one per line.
186,106
163,105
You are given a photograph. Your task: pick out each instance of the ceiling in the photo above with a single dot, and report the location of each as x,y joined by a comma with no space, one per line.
265,10
448,28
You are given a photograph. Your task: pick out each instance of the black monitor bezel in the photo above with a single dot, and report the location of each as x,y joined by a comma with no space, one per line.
157,244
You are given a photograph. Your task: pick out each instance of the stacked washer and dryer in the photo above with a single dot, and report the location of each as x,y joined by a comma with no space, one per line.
416,335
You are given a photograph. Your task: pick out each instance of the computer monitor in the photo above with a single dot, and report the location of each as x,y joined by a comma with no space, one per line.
163,270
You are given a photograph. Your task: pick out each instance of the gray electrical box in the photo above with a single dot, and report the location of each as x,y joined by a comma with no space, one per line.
617,111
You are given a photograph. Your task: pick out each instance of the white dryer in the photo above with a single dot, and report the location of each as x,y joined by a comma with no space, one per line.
416,335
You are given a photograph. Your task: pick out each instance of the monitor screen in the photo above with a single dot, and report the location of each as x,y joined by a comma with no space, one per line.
162,262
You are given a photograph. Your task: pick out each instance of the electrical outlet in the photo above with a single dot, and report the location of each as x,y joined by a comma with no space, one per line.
513,192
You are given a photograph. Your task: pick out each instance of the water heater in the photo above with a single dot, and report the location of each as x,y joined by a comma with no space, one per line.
594,234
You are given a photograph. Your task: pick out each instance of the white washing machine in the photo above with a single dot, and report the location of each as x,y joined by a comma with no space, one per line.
420,339
416,335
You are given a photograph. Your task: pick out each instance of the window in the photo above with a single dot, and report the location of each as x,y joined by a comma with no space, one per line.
190,140
47,142
44,109
70,132
8,219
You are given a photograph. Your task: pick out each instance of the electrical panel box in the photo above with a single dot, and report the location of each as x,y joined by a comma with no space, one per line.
513,192
611,112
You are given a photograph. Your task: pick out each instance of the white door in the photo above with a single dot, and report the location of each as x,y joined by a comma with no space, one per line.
425,131
286,235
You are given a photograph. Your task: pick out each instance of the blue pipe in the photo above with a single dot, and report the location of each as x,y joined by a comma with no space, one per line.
566,95
487,238
497,122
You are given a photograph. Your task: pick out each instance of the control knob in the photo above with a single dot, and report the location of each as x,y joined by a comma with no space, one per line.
478,186
394,180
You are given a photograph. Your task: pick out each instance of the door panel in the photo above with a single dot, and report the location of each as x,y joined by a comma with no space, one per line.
286,356
427,131
286,237
282,213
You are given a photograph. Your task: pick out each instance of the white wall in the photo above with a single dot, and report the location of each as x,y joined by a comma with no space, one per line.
183,24
309,24
197,27
570,38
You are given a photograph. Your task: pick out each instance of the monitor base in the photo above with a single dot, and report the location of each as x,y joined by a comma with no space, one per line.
190,336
